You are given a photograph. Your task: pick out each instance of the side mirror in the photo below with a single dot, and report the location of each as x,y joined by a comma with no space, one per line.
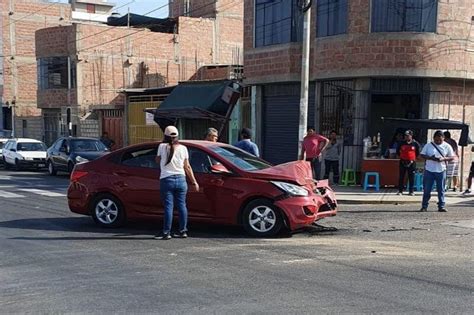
219,169
13,150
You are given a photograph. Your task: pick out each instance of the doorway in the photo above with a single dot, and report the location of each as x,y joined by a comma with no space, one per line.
392,105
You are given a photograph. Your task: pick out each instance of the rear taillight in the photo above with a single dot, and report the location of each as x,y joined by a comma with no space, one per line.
76,175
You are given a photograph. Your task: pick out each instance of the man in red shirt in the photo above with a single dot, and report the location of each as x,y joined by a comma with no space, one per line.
408,151
313,145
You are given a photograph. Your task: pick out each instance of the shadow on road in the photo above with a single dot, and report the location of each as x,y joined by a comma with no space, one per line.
135,230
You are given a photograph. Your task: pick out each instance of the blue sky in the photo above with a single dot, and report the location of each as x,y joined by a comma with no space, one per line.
139,6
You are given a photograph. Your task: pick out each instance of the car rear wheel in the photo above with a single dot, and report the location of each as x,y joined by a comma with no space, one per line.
107,211
51,169
262,218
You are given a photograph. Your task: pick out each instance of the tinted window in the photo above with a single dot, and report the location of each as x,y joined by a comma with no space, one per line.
57,145
241,159
30,146
331,17
200,161
87,145
277,22
1,145
140,158
404,15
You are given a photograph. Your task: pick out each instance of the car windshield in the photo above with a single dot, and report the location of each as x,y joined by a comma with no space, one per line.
31,146
241,159
87,145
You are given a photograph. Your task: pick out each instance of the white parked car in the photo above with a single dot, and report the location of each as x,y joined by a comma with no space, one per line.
2,143
24,153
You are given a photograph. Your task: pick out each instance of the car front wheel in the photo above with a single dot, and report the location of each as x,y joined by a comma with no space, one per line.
17,165
107,211
261,218
51,169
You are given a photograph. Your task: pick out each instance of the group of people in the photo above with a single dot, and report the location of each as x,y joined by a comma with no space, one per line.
441,163
173,159
312,149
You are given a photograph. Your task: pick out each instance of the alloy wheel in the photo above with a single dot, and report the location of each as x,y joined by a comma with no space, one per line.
262,219
106,211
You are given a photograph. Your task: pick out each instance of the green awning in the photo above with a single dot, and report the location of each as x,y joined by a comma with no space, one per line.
196,100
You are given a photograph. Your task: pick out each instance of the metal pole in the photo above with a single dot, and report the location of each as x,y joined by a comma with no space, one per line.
303,119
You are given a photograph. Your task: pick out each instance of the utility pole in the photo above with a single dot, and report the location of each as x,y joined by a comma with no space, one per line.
303,121
13,64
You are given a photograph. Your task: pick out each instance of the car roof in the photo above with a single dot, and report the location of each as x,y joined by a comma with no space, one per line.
80,138
23,140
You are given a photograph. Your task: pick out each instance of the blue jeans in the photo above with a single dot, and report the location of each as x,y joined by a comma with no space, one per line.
429,178
173,190
316,167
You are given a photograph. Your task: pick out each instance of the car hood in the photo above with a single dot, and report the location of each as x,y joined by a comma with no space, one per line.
90,155
299,172
33,154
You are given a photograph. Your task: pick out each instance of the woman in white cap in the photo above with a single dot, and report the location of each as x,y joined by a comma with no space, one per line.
173,158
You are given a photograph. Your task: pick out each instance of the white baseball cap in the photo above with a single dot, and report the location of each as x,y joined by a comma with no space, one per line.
171,131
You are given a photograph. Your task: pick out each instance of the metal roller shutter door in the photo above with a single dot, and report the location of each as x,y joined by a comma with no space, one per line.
280,120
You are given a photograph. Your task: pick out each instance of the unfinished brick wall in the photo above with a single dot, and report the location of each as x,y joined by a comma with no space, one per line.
20,61
112,58
361,53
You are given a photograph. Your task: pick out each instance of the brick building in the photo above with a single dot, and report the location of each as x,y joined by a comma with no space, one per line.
104,60
369,59
19,19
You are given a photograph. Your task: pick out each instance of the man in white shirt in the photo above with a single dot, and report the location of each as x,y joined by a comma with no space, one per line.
437,154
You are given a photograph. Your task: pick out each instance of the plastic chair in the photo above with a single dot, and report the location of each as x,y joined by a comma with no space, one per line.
376,183
418,181
348,177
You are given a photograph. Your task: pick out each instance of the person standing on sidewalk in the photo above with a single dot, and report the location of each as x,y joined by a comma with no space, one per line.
436,153
313,145
408,151
246,143
173,159
331,158
452,172
471,175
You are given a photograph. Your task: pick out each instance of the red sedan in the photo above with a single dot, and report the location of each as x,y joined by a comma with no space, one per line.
236,189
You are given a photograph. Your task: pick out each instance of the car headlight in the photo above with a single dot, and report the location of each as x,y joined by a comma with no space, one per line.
80,159
291,189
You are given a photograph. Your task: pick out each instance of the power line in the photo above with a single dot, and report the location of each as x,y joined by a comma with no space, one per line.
32,13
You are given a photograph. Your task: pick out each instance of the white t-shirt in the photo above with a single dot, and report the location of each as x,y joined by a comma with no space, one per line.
430,150
176,166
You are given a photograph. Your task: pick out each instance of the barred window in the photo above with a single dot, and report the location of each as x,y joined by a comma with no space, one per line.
277,22
331,17
404,15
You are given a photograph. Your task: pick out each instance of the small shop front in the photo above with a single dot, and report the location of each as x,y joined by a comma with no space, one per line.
387,164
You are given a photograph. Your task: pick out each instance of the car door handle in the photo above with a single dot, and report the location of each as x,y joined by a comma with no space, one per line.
122,184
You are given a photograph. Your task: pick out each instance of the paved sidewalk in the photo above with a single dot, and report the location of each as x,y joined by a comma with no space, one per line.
356,195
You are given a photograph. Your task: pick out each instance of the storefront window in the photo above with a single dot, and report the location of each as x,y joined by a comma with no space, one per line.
404,15
331,17
277,22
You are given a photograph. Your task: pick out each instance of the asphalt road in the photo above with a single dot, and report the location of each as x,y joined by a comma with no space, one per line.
381,259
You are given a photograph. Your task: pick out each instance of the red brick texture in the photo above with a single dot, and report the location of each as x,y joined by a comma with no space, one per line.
361,53
20,60
113,58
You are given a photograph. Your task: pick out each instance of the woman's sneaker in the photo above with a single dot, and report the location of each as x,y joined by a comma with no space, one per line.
180,235
164,237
